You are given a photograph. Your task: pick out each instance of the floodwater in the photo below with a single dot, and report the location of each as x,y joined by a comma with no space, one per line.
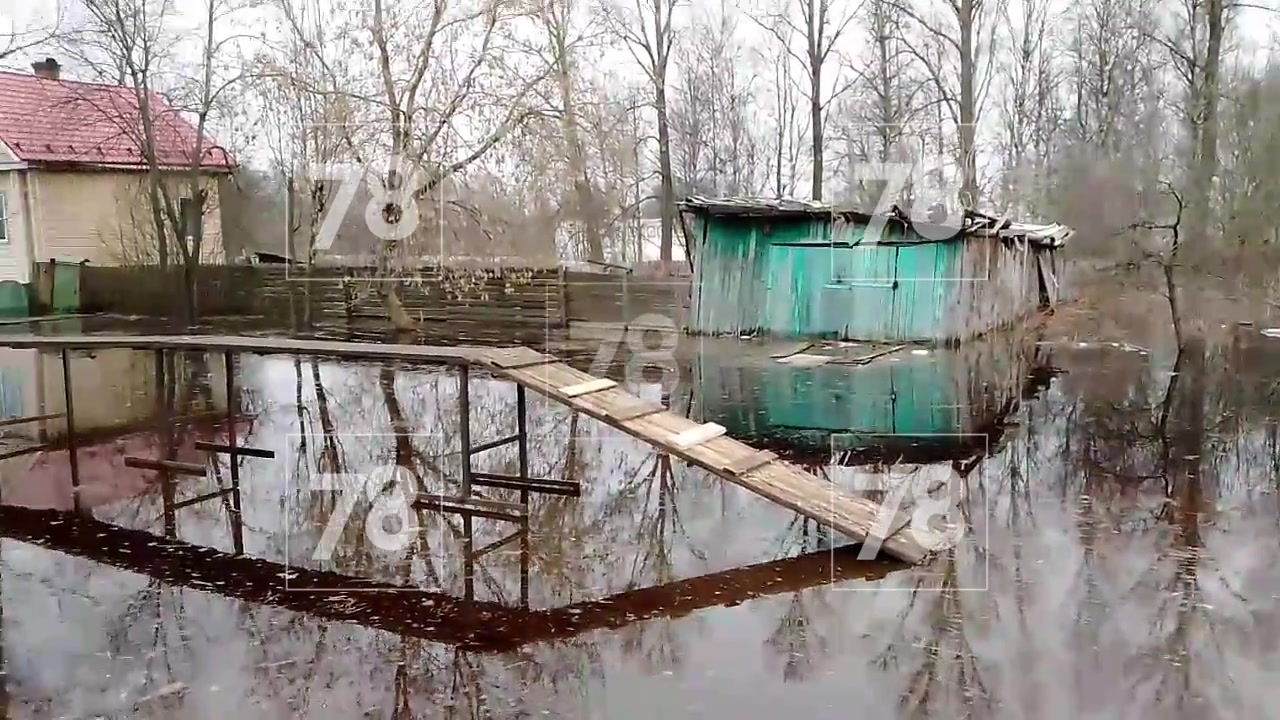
1119,507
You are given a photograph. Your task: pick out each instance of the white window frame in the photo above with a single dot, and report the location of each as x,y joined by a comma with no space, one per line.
4,218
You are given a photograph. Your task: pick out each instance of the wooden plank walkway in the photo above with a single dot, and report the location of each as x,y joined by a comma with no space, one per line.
703,445
740,464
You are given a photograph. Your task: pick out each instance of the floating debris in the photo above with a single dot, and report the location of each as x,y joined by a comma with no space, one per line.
1272,332
805,360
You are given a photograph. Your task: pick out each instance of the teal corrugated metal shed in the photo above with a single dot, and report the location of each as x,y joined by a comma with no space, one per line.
794,269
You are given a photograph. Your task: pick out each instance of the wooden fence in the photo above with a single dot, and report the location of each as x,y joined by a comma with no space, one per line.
547,297
617,298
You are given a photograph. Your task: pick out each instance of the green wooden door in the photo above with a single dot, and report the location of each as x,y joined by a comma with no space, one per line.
66,287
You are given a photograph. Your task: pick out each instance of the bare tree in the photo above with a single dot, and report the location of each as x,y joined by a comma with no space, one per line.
1165,252
647,29
1193,39
1109,70
307,121
1249,193
437,86
1030,113
820,29
887,100
957,54
557,17
786,136
140,37
714,146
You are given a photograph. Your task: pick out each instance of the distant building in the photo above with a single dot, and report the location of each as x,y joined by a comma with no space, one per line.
72,174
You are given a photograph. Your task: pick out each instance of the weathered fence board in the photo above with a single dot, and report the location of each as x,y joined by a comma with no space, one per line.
298,296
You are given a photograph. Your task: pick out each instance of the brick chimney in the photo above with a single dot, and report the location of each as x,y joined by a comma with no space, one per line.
47,68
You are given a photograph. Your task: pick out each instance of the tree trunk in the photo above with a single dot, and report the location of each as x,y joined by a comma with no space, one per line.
815,117
968,107
1206,161
588,213
664,163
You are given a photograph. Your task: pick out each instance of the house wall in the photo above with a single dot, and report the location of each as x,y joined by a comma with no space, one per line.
104,218
731,283
15,260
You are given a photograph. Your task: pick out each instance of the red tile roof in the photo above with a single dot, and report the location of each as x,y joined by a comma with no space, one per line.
62,121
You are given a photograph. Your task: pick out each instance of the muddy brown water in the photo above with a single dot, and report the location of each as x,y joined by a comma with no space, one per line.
1117,558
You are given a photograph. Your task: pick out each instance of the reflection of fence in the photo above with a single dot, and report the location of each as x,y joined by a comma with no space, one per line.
293,296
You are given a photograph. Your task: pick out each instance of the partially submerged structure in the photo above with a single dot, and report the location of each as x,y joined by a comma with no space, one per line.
922,406
793,268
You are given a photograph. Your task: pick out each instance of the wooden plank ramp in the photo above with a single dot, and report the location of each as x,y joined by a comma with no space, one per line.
703,445
706,446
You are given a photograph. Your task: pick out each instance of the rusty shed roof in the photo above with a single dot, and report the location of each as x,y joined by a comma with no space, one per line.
974,224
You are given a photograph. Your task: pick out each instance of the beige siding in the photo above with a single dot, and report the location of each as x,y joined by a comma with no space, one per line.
104,217
113,389
14,261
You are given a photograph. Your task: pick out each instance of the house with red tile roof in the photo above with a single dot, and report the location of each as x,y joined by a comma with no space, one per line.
73,172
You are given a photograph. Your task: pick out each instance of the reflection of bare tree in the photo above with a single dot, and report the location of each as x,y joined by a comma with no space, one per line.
649,502
948,664
796,638
1182,619
331,457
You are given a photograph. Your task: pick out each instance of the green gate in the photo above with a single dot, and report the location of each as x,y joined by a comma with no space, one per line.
58,286
13,299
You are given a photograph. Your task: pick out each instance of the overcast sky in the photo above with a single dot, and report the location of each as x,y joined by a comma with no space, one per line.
1253,36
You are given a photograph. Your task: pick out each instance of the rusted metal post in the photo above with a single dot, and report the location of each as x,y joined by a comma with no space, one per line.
166,476
464,425
464,431
233,408
522,443
524,563
72,455
522,432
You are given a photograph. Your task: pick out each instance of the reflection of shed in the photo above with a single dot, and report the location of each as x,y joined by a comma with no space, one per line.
948,404
794,268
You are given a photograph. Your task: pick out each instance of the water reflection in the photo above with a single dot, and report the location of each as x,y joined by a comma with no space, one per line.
1121,510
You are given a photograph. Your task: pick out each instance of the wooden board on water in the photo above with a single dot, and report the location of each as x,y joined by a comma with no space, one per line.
780,482
792,349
